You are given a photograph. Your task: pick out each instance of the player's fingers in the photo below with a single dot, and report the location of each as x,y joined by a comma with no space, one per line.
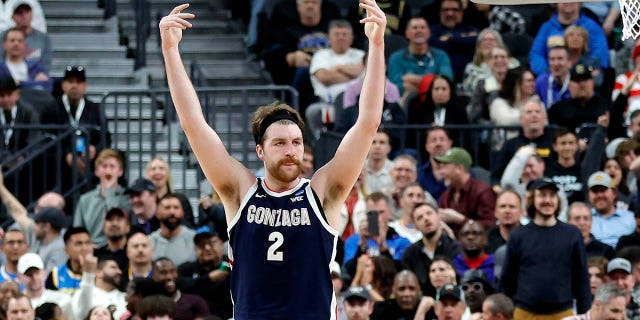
179,8
185,15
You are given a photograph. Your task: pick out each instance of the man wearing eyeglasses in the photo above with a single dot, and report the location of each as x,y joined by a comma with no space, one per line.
208,276
455,37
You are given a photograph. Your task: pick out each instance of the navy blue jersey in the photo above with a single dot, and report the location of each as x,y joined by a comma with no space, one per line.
281,246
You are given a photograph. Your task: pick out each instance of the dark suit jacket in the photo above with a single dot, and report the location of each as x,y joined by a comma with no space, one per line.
92,115
21,137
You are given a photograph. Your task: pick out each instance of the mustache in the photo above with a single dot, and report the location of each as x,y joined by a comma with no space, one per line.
289,159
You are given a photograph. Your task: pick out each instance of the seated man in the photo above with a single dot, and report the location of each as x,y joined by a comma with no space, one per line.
584,106
387,242
407,66
173,240
466,197
38,42
406,293
26,73
454,36
473,239
66,278
553,85
609,223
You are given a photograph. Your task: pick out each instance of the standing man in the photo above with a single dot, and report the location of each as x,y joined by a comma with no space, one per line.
74,110
541,275
275,221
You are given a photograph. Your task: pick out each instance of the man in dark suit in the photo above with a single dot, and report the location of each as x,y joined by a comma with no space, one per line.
86,117
14,136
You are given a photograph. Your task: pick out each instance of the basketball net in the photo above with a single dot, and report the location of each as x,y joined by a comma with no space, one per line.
631,23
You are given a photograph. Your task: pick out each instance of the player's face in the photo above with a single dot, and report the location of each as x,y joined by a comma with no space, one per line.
357,309
282,151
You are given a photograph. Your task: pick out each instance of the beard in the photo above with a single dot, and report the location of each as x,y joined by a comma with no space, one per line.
115,237
281,175
112,280
172,223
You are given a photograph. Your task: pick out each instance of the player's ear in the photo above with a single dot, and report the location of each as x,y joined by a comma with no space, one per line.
260,151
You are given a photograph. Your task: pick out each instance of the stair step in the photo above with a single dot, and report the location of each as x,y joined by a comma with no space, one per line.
62,12
75,25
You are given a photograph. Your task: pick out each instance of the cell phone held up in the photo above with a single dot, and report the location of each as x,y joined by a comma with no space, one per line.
372,223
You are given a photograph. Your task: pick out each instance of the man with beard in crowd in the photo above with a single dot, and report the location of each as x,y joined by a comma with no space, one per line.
188,306
116,227
99,287
209,275
172,240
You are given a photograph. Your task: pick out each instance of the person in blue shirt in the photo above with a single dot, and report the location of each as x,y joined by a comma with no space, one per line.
14,245
388,242
551,34
609,223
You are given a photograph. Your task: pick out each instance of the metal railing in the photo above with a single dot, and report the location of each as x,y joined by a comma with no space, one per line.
37,167
144,125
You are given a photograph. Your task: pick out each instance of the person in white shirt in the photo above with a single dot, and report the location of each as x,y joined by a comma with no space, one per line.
32,274
99,287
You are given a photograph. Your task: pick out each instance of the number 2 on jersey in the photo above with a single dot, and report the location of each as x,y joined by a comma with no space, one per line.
272,253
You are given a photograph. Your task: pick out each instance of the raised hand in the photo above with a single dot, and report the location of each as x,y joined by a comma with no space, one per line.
171,26
375,23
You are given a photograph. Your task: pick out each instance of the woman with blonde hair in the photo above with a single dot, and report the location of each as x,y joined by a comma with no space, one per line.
478,68
576,39
159,172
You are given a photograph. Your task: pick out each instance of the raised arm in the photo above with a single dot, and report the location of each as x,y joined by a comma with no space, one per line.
228,176
334,181
17,211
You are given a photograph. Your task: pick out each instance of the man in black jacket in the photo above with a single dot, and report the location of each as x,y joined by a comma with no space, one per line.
208,276
76,111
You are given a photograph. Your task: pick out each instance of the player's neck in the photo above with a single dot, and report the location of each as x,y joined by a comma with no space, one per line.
274,185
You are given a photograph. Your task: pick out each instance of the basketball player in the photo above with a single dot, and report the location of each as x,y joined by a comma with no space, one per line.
282,227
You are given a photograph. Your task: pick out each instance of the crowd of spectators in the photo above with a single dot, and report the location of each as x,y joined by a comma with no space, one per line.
539,205
537,218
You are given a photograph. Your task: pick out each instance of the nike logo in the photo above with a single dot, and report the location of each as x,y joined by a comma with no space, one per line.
258,195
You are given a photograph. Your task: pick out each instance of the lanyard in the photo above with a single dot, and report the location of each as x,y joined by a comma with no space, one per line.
9,131
74,121
564,88
438,116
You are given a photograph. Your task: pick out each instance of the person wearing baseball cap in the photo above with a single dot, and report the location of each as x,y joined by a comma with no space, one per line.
450,303
466,197
144,205
584,106
117,226
32,274
619,272
609,222
208,275
357,303
533,263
